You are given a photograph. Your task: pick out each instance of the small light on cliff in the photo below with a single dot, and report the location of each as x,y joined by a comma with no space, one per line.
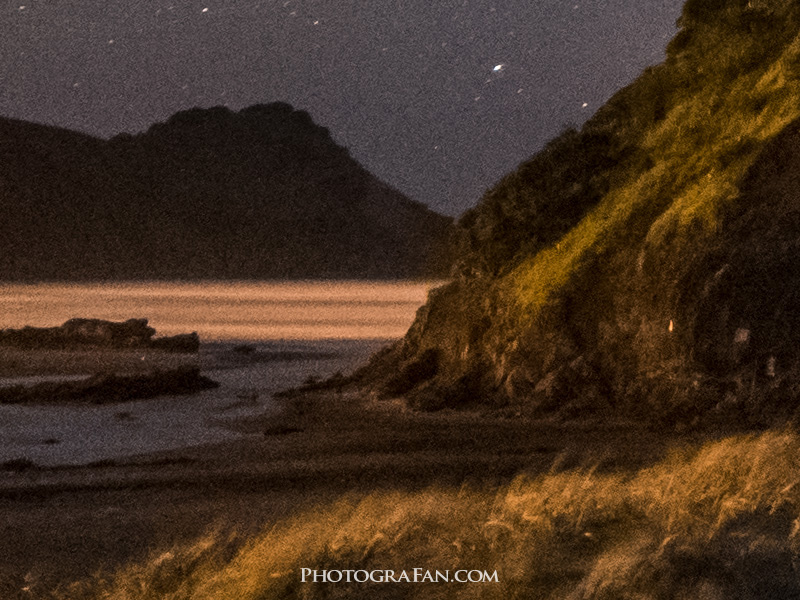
671,325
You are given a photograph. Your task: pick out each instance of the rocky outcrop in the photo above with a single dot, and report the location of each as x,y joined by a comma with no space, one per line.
109,388
97,333
183,342
643,266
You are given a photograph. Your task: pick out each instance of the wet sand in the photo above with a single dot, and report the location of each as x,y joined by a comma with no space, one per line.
64,433
61,524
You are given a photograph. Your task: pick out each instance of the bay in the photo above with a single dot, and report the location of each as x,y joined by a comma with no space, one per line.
295,330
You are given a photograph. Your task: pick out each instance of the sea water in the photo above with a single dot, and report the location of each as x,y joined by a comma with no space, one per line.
307,310
294,330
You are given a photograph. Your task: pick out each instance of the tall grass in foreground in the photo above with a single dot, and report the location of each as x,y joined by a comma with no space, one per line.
716,522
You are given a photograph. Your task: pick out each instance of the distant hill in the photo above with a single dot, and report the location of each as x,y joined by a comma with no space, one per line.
259,193
646,265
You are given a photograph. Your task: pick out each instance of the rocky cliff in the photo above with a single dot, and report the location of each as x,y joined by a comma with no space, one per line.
645,265
259,193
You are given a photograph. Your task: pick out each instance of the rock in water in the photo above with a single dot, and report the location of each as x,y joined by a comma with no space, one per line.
184,342
108,388
97,333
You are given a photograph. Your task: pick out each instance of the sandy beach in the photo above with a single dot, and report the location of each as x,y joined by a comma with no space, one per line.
65,522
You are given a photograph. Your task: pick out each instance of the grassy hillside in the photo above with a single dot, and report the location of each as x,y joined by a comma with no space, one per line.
711,522
619,268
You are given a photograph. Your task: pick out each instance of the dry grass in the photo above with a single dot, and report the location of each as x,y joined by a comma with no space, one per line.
720,521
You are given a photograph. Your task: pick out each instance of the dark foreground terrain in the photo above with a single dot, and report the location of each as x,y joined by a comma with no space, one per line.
63,524
340,480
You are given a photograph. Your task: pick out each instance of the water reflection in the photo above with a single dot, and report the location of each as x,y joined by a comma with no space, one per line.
308,329
227,310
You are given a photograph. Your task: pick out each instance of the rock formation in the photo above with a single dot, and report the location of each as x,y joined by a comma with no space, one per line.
107,388
645,266
97,333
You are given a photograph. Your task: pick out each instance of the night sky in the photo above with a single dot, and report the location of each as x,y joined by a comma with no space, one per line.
439,98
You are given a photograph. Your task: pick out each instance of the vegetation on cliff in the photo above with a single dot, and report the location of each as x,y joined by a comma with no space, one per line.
643,263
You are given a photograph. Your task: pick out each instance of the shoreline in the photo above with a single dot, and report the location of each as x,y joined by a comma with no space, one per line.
65,523
44,434
223,354
321,447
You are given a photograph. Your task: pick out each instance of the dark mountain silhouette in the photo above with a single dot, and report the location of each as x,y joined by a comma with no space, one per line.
646,265
259,193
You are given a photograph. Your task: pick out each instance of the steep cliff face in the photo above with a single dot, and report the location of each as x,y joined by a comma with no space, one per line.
645,264
211,193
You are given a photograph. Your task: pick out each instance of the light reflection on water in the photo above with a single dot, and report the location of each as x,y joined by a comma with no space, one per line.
53,435
227,310
343,323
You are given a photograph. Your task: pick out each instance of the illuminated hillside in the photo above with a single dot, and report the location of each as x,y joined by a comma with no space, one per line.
644,263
